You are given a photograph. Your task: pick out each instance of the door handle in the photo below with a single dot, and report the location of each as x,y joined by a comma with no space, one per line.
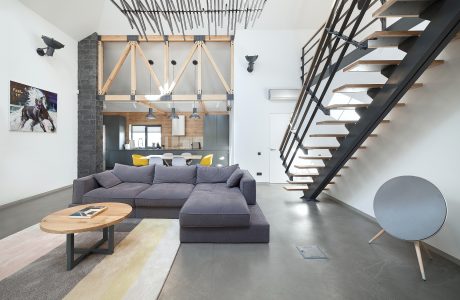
273,149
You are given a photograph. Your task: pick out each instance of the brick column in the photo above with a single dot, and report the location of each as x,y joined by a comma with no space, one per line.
90,154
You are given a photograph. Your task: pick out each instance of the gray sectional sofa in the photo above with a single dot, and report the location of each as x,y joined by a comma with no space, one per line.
214,205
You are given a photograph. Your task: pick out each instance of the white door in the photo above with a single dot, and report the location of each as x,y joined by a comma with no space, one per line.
278,125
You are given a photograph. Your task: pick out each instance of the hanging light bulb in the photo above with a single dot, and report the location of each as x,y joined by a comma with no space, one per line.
150,115
194,115
173,114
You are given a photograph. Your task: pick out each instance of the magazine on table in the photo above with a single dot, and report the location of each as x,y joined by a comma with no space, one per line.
88,212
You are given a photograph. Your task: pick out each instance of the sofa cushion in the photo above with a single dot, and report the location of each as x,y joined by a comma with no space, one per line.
107,179
175,174
215,188
164,195
234,179
214,174
223,207
134,174
124,192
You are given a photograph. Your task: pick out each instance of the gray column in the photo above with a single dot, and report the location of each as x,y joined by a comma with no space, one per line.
89,109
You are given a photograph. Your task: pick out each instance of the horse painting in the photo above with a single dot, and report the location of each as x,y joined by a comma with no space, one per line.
37,114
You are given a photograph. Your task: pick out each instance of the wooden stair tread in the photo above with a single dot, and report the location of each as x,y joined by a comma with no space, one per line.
363,87
303,175
390,39
402,8
333,135
326,147
295,187
354,106
309,175
300,181
314,167
342,122
320,157
378,65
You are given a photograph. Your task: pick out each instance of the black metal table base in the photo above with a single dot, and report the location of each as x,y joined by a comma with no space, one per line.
107,236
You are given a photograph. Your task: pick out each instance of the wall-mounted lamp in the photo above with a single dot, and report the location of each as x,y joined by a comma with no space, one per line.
251,60
52,45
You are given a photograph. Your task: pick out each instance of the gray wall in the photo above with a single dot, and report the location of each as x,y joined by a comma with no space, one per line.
90,158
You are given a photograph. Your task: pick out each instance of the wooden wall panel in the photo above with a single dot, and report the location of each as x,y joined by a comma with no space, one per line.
193,128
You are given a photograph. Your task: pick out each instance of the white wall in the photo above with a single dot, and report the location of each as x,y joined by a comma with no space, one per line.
278,66
422,140
33,163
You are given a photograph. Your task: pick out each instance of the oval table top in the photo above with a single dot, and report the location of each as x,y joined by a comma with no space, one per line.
60,222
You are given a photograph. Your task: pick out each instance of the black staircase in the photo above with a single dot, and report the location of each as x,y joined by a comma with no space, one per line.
343,24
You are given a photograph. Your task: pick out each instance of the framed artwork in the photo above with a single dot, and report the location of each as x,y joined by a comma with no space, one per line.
32,109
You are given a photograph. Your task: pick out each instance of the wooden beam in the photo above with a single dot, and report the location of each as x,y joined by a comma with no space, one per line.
149,67
133,68
100,67
199,69
160,38
165,67
116,69
232,66
113,38
185,98
214,97
184,66
216,68
117,98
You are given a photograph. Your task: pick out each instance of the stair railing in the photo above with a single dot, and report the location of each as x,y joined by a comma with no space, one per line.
333,31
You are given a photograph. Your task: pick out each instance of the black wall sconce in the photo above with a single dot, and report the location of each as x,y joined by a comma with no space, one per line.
52,45
251,60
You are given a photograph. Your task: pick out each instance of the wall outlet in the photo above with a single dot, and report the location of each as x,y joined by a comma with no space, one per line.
259,173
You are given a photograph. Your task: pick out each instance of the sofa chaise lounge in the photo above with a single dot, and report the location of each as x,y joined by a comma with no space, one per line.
213,205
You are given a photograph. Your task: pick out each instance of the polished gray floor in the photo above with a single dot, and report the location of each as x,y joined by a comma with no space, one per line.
354,270
17,217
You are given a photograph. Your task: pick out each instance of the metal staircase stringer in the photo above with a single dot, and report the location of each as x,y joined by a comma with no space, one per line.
444,25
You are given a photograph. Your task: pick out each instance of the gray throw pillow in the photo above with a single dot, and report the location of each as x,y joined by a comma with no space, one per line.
214,174
134,174
234,179
175,174
107,179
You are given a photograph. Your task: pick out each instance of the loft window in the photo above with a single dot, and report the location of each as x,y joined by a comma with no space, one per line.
146,136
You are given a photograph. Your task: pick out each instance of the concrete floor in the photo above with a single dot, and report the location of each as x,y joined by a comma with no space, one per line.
354,270
20,216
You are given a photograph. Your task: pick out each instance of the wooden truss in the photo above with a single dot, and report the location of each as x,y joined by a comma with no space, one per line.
134,50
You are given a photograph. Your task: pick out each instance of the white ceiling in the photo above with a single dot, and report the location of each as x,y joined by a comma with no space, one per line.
80,18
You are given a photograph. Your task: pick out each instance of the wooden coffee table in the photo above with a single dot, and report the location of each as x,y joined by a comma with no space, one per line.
60,223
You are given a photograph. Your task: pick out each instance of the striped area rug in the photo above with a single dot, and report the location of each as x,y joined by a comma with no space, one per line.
33,263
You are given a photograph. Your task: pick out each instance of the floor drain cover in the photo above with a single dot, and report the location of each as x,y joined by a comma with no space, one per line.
311,252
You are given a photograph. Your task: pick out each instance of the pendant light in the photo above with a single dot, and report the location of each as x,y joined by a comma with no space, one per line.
195,115
173,113
150,115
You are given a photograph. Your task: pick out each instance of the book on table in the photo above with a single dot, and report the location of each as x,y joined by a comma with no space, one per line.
88,212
